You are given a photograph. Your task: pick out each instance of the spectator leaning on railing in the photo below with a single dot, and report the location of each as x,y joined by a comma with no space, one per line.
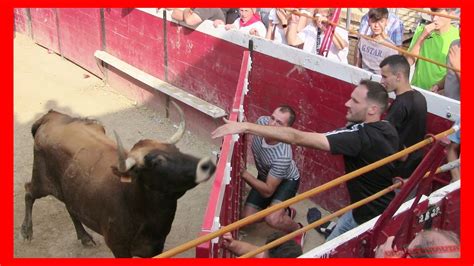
249,22
313,32
195,16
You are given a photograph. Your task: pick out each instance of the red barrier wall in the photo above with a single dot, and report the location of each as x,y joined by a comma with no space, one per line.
203,65
136,38
80,36
44,27
21,20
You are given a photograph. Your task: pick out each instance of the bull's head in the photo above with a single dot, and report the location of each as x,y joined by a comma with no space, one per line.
160,166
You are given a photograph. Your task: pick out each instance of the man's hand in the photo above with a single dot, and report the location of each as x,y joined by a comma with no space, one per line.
454,56
229,26
217,23
435,88
253,31
294,18
283,15
227,239
244,174
230,127
428,29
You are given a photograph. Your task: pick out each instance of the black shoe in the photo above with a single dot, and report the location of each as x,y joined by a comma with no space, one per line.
326,228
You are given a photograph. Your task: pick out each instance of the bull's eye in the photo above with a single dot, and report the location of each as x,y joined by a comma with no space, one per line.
162,160
153,160
205,167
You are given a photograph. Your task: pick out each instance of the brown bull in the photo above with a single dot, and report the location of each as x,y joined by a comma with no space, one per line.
78,164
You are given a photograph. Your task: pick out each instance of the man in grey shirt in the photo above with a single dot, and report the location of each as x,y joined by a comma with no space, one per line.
278,178
449,86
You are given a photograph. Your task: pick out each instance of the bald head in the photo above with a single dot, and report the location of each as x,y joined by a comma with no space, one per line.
435,244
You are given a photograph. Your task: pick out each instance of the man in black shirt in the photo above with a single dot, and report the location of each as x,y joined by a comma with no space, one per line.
365,140
408,111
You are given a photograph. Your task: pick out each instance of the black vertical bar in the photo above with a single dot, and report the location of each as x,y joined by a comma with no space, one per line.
165,57
102,30
103,44
30,27
58,32
251,48
251,63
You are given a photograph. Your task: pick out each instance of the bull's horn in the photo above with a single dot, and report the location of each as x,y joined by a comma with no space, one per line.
182,126
123,163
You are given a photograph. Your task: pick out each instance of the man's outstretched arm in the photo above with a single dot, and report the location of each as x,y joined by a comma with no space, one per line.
284,134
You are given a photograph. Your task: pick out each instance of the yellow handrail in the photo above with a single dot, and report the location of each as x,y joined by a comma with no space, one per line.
421,10
327,218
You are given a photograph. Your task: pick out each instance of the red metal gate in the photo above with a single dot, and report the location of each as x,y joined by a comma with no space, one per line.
226,195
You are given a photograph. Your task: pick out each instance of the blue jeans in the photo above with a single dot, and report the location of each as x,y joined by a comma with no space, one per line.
344,224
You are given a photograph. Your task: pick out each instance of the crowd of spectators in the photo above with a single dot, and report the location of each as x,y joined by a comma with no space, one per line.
380,33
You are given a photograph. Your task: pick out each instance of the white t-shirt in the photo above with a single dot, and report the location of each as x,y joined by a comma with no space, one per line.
279,31
372,53
312,42
259,26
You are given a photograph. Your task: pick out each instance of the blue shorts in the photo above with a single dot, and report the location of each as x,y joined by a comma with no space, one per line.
285,190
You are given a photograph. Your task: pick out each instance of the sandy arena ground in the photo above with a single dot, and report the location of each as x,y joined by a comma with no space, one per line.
44,81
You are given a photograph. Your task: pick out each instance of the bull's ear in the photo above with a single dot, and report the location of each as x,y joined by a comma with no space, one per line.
124,177
129,164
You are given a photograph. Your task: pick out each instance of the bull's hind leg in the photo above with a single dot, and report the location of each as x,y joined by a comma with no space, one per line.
40,186
86,238
27,226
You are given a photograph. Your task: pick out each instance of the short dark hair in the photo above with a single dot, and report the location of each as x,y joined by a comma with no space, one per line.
376,14
289,249
397,63
287,109
376,92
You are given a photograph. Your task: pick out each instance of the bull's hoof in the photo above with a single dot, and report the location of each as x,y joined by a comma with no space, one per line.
27,232
87,241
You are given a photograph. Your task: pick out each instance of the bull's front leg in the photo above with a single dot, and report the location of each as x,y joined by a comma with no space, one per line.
86,238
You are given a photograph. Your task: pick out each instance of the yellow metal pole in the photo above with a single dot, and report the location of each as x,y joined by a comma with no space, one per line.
429,12
327,218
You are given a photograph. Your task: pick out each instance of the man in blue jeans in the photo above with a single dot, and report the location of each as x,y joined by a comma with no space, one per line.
453,150
365,140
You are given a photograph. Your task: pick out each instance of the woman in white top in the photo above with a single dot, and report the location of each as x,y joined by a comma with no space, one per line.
277,25
312,35
249,22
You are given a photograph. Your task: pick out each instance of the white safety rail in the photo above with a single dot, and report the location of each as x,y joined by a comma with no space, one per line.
228,169
162,86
